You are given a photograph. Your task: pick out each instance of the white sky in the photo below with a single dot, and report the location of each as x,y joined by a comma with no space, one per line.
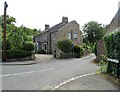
37,13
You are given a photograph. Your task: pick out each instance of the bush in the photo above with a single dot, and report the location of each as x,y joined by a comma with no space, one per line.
28,46
103,66
64,45
17,54
78,50
112,44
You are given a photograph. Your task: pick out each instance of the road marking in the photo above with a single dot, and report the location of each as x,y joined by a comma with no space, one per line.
47,88
27,72
69,80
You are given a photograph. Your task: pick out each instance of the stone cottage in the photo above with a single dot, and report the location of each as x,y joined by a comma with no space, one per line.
115,23
47,40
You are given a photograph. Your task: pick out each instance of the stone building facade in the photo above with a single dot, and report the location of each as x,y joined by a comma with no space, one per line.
47,40
115,23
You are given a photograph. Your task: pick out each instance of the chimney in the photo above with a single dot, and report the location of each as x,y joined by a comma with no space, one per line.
65,19
46,26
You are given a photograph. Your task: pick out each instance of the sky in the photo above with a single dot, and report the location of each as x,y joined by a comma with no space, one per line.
37,13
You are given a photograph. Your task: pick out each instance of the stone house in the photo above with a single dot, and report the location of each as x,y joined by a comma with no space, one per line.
115,23
48,38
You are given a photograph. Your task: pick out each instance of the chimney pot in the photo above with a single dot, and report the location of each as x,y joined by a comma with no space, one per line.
46,26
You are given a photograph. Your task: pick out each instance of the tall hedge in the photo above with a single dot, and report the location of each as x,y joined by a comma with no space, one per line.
112,43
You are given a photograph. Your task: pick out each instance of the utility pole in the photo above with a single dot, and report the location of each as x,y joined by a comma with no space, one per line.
4,33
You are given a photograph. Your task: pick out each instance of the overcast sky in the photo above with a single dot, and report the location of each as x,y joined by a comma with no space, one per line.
37,13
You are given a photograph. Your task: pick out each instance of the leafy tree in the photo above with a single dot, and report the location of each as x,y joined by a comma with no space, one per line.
93,32
17,36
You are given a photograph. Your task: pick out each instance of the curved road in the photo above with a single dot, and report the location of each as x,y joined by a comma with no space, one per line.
45,74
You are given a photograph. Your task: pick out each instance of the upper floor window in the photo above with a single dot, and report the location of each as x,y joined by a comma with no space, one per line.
75,36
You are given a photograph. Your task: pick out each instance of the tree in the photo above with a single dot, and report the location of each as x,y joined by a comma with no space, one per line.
93,32
17,36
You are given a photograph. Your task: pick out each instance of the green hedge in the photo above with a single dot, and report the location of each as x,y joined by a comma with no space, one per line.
64,45
28,46
112,43
17,54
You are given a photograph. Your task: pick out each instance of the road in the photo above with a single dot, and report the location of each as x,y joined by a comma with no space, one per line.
45,74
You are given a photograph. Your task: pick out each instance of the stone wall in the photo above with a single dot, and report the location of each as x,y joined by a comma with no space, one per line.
100,49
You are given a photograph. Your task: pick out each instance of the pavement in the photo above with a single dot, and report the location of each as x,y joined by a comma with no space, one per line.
90,82
39,58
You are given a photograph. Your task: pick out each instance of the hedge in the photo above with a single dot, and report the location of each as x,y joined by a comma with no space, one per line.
112,43
64,45
17,54
28,46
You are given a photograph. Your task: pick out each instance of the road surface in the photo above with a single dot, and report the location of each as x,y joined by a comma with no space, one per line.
45,74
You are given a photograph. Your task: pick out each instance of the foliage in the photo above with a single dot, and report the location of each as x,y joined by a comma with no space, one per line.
93,32
94,49
64,45
17,53
103,66
78,50
17,35
86,46
28,46
112,43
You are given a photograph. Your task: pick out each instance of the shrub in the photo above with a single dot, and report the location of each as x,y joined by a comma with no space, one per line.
112,44
78,50
28,46
64,45
103,66
17,54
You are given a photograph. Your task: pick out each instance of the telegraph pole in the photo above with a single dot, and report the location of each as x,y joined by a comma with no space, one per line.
4,33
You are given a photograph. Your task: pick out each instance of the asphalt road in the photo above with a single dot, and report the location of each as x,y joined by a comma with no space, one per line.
46,74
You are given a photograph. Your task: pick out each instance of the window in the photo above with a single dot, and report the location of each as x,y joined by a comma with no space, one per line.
75,36
69,36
